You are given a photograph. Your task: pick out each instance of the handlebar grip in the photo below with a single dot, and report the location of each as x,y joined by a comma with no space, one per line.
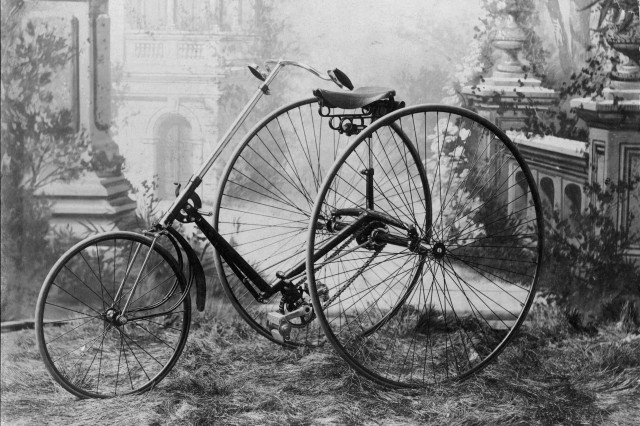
343,79
256,72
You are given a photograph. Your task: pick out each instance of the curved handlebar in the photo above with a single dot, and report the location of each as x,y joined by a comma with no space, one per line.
309,68
337,76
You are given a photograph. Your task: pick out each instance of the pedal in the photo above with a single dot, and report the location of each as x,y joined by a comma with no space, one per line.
280,329
279,326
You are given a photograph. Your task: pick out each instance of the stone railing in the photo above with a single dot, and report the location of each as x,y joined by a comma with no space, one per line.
561,167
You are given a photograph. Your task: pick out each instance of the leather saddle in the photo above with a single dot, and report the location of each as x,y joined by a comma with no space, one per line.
358,98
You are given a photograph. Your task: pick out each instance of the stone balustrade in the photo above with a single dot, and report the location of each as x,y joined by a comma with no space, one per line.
173,51
561,167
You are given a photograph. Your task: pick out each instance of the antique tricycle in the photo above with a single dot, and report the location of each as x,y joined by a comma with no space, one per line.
410,238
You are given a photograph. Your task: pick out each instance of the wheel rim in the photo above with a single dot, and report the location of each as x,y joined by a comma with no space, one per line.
264,203
413,318
88,347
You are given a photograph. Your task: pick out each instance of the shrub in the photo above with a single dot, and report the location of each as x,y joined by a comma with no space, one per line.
41,144
585,255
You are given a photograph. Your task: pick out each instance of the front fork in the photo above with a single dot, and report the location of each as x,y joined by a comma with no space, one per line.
119,315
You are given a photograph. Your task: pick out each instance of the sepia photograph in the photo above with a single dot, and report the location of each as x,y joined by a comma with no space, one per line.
320,212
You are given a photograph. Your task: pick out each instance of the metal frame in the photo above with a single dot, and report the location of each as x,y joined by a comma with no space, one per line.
186,207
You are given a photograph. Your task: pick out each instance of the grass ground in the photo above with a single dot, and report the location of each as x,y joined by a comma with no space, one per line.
228,375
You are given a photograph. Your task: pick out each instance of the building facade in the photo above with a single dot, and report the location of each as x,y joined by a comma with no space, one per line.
171,59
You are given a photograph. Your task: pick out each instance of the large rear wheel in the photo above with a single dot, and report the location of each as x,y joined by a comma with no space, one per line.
436,284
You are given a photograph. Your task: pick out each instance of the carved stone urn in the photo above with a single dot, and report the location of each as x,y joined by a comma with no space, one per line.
627,43
510,38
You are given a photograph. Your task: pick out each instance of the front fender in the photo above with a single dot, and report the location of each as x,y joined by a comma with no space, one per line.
196,271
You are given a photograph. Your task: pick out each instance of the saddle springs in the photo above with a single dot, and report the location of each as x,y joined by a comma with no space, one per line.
354,122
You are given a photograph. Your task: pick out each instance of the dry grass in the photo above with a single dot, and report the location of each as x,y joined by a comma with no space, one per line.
229,375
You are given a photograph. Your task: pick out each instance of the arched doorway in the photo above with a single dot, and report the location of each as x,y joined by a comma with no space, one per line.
547,196
572,203
173,154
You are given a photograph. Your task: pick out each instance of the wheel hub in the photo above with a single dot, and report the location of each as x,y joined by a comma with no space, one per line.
439,250
114,317
369,233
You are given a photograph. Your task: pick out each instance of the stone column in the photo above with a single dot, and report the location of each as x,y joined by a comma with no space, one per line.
99,198
509,86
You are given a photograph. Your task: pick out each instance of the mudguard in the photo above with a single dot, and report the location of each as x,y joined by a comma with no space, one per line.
195,269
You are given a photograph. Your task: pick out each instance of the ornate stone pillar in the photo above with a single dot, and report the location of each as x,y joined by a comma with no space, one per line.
614,126
619,109
503,97
100,197
509,89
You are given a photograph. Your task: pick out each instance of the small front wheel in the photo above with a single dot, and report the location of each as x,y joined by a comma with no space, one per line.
89,342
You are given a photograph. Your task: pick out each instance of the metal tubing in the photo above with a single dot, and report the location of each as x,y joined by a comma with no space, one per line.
312,70
229,254
126,275
135,283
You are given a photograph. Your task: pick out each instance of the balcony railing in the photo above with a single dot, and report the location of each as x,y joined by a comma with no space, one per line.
177,51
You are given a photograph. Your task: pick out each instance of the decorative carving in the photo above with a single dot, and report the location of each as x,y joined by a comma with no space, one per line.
510,38
148,50
75,72
190,50
102,73
620,108
627,43
509,89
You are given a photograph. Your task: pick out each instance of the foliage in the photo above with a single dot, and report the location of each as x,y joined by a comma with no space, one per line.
622,13
40,142
585,253
148,210
40,145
